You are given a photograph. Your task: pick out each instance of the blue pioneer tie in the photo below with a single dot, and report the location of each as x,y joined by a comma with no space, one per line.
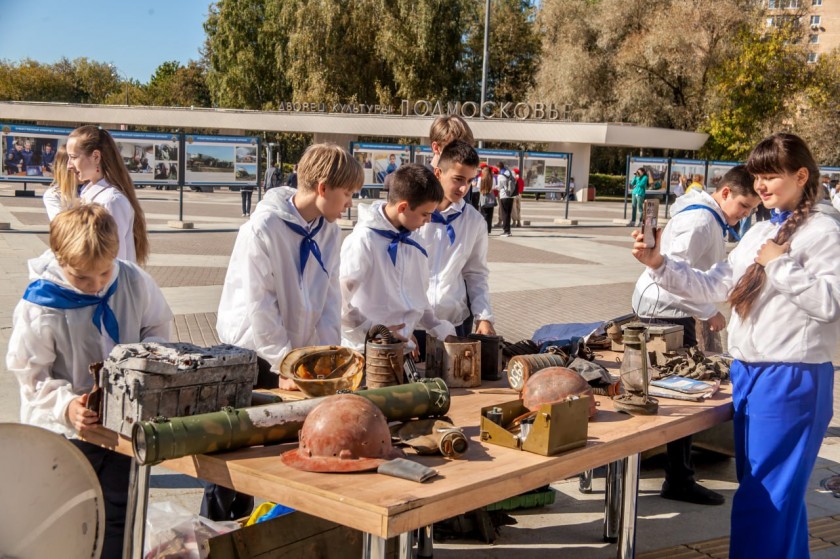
49,294
308,244
396,238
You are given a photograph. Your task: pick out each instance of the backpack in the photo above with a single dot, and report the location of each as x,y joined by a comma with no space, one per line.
512,188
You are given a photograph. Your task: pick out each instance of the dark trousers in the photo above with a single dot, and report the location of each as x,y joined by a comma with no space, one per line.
246,201
679,472
113,471
488,217
506,207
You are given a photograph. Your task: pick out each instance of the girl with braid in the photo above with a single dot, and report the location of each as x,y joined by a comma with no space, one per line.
783,282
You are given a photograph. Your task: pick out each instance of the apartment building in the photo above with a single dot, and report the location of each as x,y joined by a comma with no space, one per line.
820,17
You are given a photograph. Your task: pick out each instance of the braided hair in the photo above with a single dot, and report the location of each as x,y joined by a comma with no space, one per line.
780,153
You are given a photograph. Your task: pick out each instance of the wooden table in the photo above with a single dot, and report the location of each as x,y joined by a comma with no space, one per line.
385,507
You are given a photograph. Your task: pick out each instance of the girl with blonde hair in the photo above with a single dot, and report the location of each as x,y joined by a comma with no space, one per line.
63,193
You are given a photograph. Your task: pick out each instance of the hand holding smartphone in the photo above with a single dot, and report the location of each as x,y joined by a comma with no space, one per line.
650,216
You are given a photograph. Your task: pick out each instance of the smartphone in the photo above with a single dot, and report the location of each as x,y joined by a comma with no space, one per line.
649,222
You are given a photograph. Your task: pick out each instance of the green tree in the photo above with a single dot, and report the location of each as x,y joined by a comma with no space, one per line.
245,52
173,85
515,46
755,91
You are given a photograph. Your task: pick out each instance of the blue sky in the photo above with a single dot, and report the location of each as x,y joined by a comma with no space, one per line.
134,36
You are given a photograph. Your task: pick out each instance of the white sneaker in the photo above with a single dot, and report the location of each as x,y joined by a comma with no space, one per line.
505,235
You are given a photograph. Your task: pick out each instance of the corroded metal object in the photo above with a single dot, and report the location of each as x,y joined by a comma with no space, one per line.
323,370
432,436
145,380
229,429
556,384
491,355
344,433
456,360
383,358
522,367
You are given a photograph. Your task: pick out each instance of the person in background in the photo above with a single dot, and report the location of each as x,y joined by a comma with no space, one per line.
98,164
572,189
516,214
293,178
63,193
246,191
696,183
639,184
506,184
487,201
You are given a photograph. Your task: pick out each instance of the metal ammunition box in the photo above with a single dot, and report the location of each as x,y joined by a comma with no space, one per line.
661,337
144,381
556,428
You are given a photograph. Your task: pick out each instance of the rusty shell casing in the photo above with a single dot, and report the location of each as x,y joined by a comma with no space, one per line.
158,440
522,367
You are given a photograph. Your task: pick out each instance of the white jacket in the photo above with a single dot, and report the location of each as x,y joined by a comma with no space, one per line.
50,349
451,266
266,305
375,291
795,318
692,236
52,201
119,207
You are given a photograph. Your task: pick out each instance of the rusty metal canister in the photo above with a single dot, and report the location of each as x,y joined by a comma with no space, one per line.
457,362
521,367
384,364
491,356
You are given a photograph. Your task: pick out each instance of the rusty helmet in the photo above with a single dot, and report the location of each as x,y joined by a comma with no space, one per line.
555,384
323,370
344,433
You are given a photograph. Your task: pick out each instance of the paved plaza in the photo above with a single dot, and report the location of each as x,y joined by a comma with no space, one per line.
543,274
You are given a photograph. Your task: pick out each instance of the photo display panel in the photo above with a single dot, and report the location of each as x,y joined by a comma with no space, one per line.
380,160
545,171
221,160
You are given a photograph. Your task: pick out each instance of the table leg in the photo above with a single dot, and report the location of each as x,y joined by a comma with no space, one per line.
585,482
629,497
135,514
405,546
612,500
373,547
425,542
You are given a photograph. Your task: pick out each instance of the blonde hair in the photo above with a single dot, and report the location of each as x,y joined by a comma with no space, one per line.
64,180
331,165
83,236
450,127
91,138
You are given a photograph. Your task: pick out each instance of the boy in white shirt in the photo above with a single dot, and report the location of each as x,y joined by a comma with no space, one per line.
457,247
384,269
83,302
281,290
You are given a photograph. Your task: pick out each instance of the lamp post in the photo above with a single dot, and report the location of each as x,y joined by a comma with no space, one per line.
485,62
125,81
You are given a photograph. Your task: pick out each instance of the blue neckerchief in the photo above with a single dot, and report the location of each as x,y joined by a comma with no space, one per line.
777,217
49,294
723,225
308,244
396,239
437,217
